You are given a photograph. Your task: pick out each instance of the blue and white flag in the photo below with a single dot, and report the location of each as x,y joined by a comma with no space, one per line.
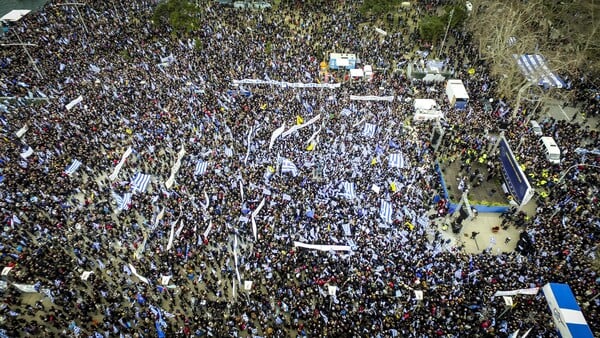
385,211
228,151
349,190
346,112
73,167
396,160
536,70
123,202
346,228
140,182
288,166
201,167
307,106
369,130
565,310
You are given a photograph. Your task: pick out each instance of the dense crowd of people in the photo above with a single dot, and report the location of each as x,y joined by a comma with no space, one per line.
223,249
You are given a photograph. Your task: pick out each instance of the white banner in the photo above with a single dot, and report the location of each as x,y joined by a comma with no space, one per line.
284,84
22,131
322,247
164,280
6,270
300,126
113,176
254,213
172,235
276,134
27,153
134,272
371,98
72,104
86,274
175,169
531,291
25,287
205,234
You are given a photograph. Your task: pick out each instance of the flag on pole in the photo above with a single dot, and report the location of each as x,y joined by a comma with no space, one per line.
396,160
369,130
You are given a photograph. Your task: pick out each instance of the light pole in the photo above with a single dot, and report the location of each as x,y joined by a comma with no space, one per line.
562,177
25,45
76,5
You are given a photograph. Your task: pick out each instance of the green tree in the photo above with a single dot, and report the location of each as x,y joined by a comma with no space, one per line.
182,15
377,7
459,15
431,28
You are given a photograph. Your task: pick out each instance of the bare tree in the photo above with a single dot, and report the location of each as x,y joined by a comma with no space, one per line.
565,33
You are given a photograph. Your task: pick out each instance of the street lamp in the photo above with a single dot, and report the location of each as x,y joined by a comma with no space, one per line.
14,16
76,5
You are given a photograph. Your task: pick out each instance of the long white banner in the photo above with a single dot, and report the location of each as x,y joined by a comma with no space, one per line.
531,291
276,134
300,126
284,84
175,169
322,247
371,98
115,173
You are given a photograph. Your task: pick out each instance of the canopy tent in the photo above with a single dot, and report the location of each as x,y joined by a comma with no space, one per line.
15,15
566,314
536,70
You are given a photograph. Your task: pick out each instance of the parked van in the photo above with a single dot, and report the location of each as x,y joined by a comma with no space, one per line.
535,128
550,149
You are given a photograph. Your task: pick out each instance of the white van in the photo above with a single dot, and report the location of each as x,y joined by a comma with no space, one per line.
550,149
535,128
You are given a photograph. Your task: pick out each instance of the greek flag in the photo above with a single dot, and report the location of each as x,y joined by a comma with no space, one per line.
73,167
307,107
535,69
288,166
369,130
349,191
228,151
346,112
201,167
140,182
385,211
122,202
396,160
346,228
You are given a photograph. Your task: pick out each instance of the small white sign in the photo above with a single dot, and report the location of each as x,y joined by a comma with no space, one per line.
418,295
6,270
86,274
247,285
508,300
164,280
375,188
331,290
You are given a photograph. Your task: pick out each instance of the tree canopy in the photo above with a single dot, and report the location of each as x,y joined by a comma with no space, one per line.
182,15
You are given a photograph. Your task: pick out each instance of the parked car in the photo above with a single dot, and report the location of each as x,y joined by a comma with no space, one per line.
535,128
